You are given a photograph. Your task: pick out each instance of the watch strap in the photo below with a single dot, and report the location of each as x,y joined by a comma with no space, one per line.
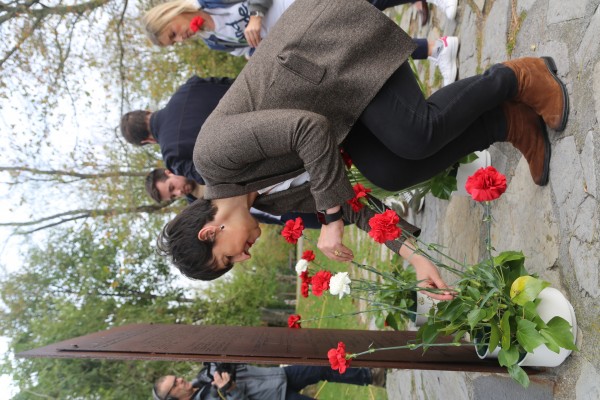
326,219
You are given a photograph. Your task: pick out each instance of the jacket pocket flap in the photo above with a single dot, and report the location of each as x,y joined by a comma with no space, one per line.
302,67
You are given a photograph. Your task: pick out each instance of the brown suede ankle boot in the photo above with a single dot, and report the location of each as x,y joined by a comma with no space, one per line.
526,131
541,89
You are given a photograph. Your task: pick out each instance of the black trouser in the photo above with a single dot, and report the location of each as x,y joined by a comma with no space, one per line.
300,376
402,139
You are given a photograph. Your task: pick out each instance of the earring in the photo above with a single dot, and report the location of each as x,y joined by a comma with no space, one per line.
222,227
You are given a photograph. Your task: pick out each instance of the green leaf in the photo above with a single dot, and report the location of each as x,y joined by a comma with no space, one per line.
530,312
508,356
474,316
459,335
488,296
455,309
512,266
550,342
559,333
490,314
392,321
505,328
528,336
494,337
428,333
468,158
519,375
473,293
442,186
530,290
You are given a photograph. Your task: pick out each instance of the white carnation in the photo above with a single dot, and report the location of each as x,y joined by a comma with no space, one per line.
301,266
339,284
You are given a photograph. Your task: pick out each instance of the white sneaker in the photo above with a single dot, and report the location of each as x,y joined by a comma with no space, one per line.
444,56
448,6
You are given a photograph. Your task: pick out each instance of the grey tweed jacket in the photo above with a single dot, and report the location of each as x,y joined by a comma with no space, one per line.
296,100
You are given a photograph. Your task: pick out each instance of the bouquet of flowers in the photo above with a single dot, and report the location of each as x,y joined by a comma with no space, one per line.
495,306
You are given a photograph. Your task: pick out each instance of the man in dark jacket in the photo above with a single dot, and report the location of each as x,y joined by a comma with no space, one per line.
246,382
163,185
175,127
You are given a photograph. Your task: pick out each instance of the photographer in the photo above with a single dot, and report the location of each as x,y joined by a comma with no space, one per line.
218,381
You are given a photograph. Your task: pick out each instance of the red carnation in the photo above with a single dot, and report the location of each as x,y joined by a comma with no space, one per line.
346,158
293,230
308,255
384,226
337,358
486,184
320,282
304,288
293,321
196,23
359,192
304,277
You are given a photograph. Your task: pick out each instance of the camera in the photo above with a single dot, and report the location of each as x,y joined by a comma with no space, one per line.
226,367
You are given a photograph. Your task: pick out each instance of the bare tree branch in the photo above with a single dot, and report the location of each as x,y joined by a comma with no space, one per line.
122,56
127,293
44,11
75,174
73,215
22,39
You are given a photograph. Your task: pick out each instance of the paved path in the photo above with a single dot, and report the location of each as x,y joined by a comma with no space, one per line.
557,227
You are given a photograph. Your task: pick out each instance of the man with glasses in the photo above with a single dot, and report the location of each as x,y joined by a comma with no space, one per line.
164,185
258,383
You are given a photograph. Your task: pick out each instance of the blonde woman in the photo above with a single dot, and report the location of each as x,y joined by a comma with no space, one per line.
228,25
238,27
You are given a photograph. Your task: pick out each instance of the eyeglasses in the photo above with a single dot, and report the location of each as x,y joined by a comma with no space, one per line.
171,388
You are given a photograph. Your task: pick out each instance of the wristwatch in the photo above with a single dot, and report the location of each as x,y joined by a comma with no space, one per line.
257,14
326,219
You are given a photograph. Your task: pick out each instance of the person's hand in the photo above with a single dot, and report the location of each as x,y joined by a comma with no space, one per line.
430,278
330,242
252,31
221,379
427,273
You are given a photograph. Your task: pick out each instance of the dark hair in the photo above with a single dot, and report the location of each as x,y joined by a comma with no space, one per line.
154,176
179,240
134,127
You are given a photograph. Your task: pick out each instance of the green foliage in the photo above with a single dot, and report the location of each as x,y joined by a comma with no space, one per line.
443,184
83,281
103,275
485,308
398,303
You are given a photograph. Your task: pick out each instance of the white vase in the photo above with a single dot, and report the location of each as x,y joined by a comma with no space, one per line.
553,304
424,304
466,170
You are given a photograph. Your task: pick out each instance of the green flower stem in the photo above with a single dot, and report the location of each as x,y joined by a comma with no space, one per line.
418,250
407,346
323,309
487,218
